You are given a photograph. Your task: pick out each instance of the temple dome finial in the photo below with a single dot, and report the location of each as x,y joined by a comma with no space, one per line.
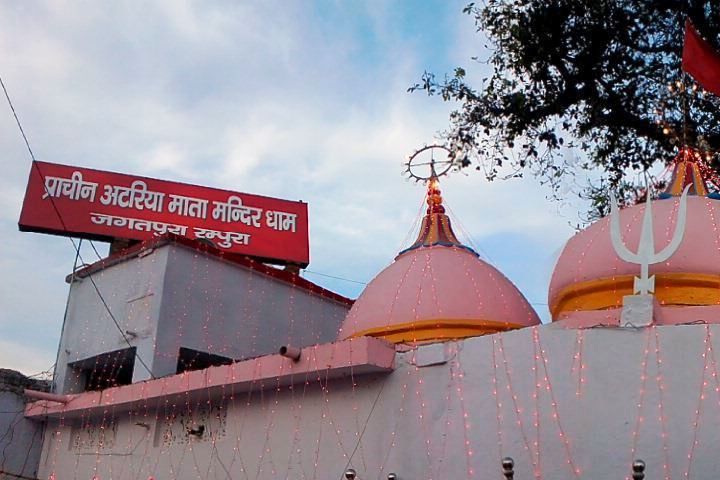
434,196
436,228
687,170
437,289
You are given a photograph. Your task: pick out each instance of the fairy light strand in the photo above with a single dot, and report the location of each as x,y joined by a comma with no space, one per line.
555,411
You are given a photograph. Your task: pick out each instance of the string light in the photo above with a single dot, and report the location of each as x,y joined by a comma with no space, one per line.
639,420
701,399
210,460
661,409
578,366
496,396
421,416
270,393
555,413
456,368
515,403
537,388
399,415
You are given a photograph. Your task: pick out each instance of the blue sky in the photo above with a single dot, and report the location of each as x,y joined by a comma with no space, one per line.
300,100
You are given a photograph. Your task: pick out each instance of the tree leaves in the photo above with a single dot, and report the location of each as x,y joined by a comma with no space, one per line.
594,71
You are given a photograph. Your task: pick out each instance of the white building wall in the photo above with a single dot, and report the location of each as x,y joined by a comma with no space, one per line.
21,439
132,291
448,411
222,308
173,296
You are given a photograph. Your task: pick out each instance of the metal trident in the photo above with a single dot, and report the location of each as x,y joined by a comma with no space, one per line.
646,254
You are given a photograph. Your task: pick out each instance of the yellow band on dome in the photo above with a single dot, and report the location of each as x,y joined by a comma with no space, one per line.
434,330
673,289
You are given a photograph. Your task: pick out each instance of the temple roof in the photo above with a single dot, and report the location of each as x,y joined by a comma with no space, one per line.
437,289
688,170
590,280
436,228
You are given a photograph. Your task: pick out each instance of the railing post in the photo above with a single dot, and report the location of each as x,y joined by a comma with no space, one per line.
638,468
508,466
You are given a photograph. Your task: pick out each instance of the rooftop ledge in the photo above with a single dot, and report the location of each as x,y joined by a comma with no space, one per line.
330,360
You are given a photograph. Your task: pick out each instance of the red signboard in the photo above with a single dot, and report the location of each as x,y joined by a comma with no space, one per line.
83,202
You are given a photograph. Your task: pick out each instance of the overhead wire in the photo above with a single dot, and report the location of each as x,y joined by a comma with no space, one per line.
414,227
403,244
335,277
466,234
365,425
64,227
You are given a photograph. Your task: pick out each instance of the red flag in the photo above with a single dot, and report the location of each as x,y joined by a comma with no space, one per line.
700,60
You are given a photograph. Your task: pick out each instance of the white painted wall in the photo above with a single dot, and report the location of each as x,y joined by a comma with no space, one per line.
432,418
21,439
133,291
174,296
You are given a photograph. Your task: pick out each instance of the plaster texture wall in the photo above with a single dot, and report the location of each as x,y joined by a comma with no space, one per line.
133,291
219,307
21,440
173,296
564,403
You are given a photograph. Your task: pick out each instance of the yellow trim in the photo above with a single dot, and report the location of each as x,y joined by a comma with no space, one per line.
439,329
679,179
699,182
679,183
673,289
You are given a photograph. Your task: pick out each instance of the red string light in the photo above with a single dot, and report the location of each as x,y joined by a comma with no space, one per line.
578,365
456,368
701,399
555,413
661,408
496,396
639,420
537,388
516,406
398,416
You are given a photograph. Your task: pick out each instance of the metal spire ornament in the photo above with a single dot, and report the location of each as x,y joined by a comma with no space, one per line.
436,228
646,254
439,163
695,150
637,308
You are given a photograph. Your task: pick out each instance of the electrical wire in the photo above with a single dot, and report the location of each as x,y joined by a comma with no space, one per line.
367,421
64,228
335,277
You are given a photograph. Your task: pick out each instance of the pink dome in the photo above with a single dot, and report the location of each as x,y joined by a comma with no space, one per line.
437,289
589,276
434,293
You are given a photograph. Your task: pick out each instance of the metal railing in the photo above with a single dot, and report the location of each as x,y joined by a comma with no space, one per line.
508,470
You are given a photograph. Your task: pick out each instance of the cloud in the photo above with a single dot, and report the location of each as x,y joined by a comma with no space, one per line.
295,100
25,359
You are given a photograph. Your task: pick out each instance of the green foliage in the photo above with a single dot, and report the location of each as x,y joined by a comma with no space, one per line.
579,79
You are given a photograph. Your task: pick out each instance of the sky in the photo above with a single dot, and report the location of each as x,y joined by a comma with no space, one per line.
299,100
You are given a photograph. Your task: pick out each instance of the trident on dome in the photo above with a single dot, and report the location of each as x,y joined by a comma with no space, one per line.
646,255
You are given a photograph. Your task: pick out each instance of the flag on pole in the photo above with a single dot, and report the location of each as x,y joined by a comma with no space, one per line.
701,60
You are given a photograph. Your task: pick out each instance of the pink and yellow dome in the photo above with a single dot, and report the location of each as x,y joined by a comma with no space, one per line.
590,280
437,289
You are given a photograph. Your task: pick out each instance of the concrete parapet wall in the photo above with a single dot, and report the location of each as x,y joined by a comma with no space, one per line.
565,404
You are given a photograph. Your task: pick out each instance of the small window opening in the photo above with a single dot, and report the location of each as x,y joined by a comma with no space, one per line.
106,370
189,359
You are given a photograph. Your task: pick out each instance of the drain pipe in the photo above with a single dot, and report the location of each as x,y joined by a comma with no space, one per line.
51,397
293,353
